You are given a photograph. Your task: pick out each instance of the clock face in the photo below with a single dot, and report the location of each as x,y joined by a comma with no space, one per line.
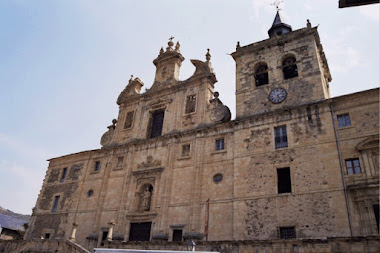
277,95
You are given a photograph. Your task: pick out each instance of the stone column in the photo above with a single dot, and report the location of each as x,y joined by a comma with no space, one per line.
127,228
110,230
72,236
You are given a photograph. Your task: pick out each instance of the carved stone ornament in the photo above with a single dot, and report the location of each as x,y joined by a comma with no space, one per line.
107,136
219,112
132,89
150,162
159,103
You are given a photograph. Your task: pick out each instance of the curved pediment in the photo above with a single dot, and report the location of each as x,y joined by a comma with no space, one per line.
203,69
132,89
369,143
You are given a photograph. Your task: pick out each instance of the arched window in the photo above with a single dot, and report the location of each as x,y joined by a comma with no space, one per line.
289,67
261,75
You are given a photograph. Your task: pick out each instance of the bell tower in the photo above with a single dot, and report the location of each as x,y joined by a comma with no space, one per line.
288,69
168,64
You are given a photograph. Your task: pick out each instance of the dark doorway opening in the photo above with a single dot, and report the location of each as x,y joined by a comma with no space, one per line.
140,231
104,237
177,235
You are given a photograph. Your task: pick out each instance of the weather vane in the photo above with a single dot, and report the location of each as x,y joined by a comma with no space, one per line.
277,4
171,38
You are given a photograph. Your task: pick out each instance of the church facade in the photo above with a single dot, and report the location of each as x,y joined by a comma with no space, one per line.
295,163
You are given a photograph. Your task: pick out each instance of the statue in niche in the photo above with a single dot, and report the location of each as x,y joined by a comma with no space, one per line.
145,199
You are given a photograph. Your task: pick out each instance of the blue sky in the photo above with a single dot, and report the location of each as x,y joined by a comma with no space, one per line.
64,63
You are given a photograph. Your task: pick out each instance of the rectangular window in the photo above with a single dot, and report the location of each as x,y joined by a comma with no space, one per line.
63,177
219,144
55,204
344,120
186,150
177,235
128,120
120,161
287,232
47,235
190,104
157,122
284,184
280,137
97,166
353,166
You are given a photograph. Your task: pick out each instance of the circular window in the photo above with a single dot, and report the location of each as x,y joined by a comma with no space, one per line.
217,178
90,192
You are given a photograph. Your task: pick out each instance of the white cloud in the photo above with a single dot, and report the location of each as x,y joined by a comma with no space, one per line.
370,12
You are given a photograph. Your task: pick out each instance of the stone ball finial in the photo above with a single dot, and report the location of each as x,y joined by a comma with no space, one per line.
114,121
208,55
238,45
170,43
216,94
308,24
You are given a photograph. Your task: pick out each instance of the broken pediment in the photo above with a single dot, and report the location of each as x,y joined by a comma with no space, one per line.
132,89
204,68
369,143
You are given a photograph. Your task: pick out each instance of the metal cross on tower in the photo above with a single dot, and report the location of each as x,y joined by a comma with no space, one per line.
277,4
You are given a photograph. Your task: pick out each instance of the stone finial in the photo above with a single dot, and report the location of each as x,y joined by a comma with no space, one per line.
161,50
216,94
73,231
238,45
131,79
308,24
177,46
114,121
208,55
170,44
110,230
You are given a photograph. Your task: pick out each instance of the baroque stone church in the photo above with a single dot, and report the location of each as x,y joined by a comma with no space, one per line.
174,166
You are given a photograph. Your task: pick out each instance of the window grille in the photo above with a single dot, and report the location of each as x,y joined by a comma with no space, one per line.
353,166
344,120
281,137
287,232
219,144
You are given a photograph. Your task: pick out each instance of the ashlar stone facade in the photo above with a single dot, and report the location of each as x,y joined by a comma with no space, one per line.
295,163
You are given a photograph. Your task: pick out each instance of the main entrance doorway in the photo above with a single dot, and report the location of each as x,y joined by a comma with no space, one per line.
140,231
